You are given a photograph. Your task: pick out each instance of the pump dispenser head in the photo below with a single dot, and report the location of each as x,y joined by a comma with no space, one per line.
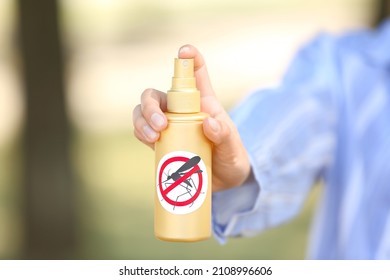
183,97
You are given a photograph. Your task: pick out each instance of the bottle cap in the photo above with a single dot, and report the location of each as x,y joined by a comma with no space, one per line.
183,97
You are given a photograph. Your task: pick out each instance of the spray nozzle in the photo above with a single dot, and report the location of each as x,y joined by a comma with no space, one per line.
183,78
184,68
183,97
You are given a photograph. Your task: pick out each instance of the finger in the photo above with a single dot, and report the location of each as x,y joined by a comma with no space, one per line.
216,131
202,77
228,153
141,138
153,103
142,129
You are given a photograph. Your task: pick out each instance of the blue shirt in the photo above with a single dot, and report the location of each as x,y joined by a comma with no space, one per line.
328,120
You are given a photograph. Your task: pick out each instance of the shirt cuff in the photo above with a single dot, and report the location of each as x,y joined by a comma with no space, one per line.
229,205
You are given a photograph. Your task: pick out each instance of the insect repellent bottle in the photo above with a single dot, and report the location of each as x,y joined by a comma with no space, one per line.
183,164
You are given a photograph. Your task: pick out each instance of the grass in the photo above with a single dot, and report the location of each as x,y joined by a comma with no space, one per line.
10,201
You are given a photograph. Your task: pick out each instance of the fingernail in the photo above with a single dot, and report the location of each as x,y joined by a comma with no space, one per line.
184,49
149,132
214,125
158,120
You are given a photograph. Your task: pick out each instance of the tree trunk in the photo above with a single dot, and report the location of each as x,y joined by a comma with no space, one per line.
48,181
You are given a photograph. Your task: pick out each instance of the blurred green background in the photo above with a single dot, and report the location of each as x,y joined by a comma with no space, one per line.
112,51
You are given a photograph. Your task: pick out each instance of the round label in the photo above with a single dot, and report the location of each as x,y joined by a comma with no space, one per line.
181,182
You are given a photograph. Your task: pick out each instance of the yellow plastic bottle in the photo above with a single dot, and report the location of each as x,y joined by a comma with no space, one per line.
183,164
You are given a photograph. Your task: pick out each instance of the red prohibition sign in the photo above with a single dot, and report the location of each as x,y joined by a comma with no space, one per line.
165,192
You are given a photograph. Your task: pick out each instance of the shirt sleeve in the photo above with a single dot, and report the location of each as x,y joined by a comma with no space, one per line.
289,133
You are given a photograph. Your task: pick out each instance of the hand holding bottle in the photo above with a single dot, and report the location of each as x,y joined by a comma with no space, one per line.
229,159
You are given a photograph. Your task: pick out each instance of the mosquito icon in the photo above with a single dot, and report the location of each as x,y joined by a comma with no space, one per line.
188,184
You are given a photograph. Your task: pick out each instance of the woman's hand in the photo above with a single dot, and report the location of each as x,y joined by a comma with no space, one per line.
229,159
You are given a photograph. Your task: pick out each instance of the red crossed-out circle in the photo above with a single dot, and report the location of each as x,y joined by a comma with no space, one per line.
165,192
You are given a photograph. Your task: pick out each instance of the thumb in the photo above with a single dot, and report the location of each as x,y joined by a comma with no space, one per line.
201,75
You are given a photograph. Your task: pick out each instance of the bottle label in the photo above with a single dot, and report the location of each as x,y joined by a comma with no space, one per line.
182,182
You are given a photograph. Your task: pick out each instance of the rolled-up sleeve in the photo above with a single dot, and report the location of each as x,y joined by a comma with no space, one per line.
289,133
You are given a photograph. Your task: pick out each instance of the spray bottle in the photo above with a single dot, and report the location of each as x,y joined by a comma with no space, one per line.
183,164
